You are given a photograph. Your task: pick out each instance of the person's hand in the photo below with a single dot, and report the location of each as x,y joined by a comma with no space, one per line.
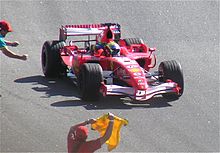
24,57
15,44
91,121
110,116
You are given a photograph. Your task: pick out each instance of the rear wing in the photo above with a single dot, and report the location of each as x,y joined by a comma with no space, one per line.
87,29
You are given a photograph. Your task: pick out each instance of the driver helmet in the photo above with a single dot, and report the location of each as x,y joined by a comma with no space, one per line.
114,48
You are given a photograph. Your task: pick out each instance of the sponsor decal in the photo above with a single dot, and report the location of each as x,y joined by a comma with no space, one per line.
134,70
137,74
132,66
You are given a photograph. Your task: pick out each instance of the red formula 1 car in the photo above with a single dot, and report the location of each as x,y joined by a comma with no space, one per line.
96,69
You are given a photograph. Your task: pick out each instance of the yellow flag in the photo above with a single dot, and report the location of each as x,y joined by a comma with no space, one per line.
101,125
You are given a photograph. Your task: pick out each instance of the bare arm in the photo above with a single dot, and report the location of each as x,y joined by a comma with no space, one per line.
11,54
108,131
13,44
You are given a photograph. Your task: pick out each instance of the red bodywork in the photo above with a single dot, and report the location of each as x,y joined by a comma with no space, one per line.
125,67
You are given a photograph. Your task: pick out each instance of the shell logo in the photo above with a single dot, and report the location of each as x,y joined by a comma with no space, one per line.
134,70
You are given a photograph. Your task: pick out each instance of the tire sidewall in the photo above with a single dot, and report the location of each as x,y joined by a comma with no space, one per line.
172,70
90,78
51,59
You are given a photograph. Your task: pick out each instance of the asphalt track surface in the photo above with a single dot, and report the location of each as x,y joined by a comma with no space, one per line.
36,112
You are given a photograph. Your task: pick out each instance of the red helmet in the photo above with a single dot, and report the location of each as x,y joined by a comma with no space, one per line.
82,132
5,26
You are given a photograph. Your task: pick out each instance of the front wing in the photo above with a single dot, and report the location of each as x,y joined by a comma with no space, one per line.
140,95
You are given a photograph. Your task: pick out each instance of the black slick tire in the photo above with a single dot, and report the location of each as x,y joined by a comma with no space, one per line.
172,70
130,41
50,59
89,81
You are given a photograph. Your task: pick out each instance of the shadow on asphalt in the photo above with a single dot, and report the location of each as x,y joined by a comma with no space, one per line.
65,87
51,87
114,103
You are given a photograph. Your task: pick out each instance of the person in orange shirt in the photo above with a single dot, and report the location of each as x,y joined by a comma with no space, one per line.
77,137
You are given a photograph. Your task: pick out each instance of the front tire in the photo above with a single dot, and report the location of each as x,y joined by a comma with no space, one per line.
89,81
172,70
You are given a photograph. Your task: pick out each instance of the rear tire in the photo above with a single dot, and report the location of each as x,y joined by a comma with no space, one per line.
130,41
171,70
50,59
89,81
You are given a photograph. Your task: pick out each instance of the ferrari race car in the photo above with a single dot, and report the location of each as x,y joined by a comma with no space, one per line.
98,72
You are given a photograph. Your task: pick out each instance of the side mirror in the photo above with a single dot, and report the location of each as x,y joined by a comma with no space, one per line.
152,49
